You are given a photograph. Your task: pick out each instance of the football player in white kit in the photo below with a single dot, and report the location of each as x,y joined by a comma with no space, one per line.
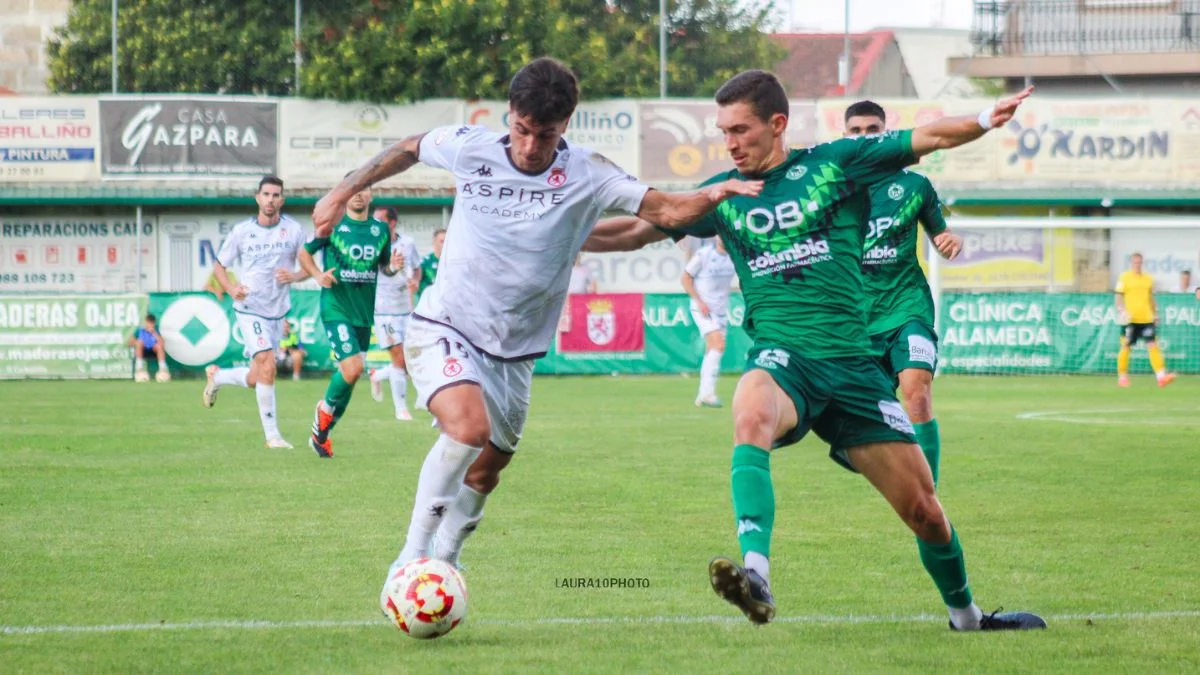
707,279
525,202
393,306
264,251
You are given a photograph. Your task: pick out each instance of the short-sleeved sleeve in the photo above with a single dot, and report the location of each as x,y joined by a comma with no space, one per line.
440,147
870,159
615,189
316,244
694,265
1120,283
932,215
231,248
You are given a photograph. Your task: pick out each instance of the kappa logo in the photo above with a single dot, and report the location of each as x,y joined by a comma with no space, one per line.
746,525
344,228
770,358
796,172
484,171
895,192
558,177
462,131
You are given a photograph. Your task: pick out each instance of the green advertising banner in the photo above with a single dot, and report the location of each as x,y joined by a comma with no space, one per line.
199,330
1077,333
65,336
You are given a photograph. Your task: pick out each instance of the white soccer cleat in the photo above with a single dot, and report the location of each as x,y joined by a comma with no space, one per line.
163,375
403,415
210,389
141,376
376,387
279,443
710,401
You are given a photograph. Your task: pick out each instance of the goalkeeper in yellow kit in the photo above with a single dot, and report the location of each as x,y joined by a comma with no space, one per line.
1135,304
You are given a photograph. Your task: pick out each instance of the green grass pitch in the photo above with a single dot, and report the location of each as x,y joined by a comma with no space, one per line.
140,532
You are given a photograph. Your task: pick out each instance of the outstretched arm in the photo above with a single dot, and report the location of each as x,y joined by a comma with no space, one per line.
394,159
951,132
622,233
680,209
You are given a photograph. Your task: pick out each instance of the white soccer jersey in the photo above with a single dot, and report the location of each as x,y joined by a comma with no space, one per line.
712,273
391,292
513,237
255,252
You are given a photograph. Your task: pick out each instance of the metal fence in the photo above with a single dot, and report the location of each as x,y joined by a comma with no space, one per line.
1049,27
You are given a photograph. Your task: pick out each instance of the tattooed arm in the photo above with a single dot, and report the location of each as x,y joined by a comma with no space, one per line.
397,158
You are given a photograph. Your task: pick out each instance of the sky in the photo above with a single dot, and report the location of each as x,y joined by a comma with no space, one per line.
827,16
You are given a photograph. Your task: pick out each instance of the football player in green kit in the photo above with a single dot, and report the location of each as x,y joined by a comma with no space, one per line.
356,251
899,305
798,249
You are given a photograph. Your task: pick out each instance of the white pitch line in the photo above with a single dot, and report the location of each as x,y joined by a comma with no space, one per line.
569,621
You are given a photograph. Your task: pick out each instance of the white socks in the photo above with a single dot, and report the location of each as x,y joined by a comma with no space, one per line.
710,368
440,482
399,389
381,374
265,393
967,618
460,522
758,562
235,376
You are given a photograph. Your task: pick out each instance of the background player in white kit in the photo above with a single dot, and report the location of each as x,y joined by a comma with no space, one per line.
393,306
707,279
524,204
264,250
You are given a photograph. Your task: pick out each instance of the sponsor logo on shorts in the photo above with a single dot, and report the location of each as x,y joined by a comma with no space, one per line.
895,416
769,358
921,349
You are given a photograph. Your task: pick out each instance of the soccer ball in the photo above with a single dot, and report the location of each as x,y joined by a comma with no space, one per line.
426,598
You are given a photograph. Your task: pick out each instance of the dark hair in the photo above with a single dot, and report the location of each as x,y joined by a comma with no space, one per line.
389,213
758,88
151,318
545,90
270,180
440,230
865,109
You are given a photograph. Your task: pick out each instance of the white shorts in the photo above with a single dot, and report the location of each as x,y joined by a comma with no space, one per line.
390,329
259,334
710,323
439,357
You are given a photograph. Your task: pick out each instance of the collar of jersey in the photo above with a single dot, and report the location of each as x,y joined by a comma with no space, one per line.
506,141
770,173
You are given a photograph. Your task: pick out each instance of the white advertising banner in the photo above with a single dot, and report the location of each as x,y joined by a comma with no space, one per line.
324,140
49,139
76,252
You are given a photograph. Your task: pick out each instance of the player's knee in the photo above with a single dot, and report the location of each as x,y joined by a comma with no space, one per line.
468,427
351,369
927,520
482,479
754,425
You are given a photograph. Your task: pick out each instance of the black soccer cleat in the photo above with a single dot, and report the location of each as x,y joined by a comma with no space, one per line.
1009,621
742,588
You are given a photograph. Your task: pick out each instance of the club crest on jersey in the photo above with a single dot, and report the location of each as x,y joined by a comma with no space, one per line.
796,172
558,177
601,322
374,230
895,191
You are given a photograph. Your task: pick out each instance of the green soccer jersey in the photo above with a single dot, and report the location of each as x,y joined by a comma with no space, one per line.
797,247
428,273
897,291
357,249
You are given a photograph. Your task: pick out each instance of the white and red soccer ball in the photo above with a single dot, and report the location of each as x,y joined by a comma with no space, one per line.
426,598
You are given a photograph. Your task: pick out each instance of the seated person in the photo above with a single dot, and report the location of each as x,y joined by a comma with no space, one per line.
147,343
291,351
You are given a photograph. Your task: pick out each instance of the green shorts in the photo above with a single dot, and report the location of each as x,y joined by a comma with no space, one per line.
911,346
847,401
347,339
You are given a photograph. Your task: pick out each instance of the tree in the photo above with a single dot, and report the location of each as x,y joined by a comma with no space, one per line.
404,50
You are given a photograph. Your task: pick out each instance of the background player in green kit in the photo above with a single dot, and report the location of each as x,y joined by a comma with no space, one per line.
356,251
797,249
899,306
429,265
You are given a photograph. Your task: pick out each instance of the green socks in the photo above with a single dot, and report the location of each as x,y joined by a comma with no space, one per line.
931,444
946,564
753,498
337,394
